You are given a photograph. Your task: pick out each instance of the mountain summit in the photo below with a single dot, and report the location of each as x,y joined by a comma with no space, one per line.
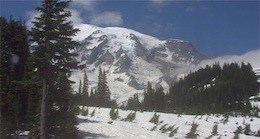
131,58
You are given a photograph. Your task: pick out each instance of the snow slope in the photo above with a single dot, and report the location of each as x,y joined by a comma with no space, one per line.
98,126
131,59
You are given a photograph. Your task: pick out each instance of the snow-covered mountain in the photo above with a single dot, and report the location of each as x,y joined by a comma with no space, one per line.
130,59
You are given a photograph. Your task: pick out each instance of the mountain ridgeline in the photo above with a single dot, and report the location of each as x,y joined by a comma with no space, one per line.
130,58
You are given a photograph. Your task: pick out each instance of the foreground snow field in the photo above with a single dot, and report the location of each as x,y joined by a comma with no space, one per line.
98,126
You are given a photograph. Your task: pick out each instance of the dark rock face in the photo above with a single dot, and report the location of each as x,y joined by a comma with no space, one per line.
183,51
123,64
106,58
133,83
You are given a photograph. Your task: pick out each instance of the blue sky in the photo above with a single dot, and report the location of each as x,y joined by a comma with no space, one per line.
215,28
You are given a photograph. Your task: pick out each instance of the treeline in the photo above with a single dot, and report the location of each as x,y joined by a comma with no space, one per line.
98,97
213,89
36,93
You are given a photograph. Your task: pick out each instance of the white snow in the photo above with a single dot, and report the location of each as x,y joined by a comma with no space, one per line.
98,126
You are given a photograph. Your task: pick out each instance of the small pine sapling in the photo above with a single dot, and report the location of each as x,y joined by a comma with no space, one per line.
214,130
247,130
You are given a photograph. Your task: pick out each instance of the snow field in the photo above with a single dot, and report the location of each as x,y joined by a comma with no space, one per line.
98,126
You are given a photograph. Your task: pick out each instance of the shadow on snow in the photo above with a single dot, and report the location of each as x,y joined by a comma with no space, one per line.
81,120
88,135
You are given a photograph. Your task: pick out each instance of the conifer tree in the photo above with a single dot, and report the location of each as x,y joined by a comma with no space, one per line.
102,92
80,87
14,52
85,90
52,34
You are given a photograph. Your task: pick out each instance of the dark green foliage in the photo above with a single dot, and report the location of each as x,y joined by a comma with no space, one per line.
113,114
14,52
163,128
102,94
258,133
85,95
215,90
93,113
148,102
225,119
134,103
110,122
159,99
130,117
173,132
53,57
247,130
82,96
214,130
192,134
239,130
236,136
155,119
84,111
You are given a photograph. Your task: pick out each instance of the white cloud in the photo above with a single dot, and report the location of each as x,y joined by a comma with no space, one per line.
75,17
107,19
31,17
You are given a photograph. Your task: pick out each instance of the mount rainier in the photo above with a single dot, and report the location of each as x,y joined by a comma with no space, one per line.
131,59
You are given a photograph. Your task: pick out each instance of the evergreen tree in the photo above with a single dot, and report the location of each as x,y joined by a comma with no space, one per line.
148,102
80,87
159,99
103,92
85,90
14,52
54,61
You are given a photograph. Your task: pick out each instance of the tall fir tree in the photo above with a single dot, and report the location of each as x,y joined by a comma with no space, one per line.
102,93
52,34
85,90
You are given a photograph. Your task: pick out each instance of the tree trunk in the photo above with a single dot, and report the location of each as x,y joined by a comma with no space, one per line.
43,134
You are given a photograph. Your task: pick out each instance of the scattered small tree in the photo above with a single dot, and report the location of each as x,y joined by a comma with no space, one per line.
93,113
113,114
84,111
239,130
130,117
192,134
215,130
173,132
155,119
258,133
163,128
247,130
